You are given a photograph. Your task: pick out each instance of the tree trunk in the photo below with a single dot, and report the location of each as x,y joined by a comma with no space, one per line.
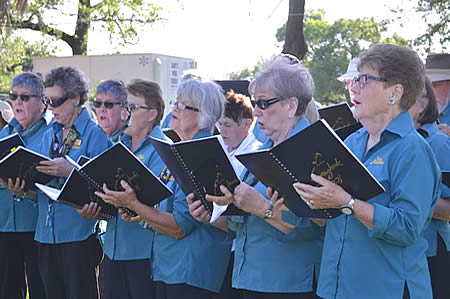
295,40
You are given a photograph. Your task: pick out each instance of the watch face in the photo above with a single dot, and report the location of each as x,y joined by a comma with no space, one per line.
347,211
268,213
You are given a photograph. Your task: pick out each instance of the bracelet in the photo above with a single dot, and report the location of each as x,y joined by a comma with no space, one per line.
18,198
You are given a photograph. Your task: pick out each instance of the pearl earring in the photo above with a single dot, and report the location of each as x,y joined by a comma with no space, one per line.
391,101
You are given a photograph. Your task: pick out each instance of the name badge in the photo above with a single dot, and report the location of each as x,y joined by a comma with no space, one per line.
77,143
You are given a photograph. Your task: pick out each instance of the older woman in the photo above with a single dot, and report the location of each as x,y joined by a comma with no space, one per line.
235,125
68,249
127,246
110,107
276,254
381,242
18,214
189,258
425,112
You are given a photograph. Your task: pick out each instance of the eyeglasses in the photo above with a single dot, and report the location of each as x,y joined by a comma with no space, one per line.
108,105
24,97
362,80
264,104
182,106
132,107
55,102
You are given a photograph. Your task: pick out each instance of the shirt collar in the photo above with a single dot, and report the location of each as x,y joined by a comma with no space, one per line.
430,128
202,134
401,125
14,125
301,124
80,123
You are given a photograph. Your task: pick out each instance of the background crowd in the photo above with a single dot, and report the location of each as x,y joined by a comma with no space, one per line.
399,240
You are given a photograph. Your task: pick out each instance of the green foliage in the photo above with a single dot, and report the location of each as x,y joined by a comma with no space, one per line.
436,15
122,19
247,73
332,46
16,56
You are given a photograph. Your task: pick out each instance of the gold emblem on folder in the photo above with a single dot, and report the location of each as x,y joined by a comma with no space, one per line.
377,161
327,169
141,156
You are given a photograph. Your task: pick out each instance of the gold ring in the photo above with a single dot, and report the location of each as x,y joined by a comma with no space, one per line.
311,203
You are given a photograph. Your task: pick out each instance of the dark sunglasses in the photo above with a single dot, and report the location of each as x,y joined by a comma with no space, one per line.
108,105
24,97
264,104
55,102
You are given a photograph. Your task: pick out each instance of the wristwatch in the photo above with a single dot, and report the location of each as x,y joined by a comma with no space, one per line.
348,208
269,212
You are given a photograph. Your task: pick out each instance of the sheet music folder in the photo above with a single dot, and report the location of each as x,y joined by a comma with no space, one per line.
22,162
200,166
340,118
316,149
113,165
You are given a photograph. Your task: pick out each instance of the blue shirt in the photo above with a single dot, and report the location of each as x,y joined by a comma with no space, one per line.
376,263
267,260
66,224
20,216
129,240
166,121
440,144
444,117
200,259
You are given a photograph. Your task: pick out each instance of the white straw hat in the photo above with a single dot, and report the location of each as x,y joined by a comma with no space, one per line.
6,111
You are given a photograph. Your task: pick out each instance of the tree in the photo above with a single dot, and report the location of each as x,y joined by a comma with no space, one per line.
16,56
332,46
294,39
121,18
436,15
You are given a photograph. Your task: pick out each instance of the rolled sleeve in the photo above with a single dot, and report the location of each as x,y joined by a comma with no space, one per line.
181,214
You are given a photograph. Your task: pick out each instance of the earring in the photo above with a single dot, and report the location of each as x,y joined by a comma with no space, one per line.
391,101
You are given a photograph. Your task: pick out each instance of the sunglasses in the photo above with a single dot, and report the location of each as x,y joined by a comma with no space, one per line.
182,106
133,107
108,105
264,104
24,97
55,102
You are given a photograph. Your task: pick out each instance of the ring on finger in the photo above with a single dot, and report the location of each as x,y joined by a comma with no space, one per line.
311,203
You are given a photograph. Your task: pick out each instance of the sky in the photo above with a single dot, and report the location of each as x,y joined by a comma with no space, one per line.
226,36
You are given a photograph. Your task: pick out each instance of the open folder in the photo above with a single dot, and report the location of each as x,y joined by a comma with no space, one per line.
200,166
21,163
113,165
316,149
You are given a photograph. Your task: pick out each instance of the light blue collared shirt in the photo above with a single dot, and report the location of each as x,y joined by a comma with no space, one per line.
66,224
200,259
440,144
21,216
266,260
376,263
129,240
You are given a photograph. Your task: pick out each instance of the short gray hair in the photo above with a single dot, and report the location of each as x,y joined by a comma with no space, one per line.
115,88
207,96
286,77
30,80
71,80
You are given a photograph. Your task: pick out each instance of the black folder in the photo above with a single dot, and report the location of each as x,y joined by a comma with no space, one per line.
239,86
446,178
9,144
172,135
22,163
316,149
200,166
115,164
340,118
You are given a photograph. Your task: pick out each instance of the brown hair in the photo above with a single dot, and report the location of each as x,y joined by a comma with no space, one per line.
397,65
238,107
152,94
431,112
